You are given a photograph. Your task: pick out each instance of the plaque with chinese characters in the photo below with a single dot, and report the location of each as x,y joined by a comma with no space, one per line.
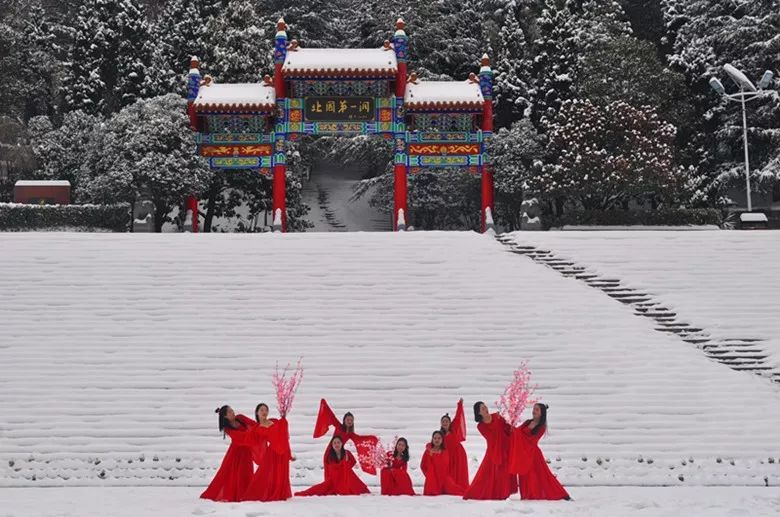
339,109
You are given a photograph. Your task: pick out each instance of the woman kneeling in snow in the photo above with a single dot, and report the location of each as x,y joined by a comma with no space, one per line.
340,479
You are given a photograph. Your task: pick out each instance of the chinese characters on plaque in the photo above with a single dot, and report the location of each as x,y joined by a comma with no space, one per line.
339,108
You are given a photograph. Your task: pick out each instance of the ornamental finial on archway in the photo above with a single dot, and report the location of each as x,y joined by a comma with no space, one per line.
194,65
484,63
400,25
281,26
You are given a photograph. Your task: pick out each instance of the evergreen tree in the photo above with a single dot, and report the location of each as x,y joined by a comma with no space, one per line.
237,48
109,56
179,32
511,63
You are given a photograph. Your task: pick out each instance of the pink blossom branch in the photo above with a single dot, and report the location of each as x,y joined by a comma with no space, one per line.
286,388
379,455
517,396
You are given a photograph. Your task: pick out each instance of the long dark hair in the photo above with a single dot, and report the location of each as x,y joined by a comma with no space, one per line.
223,421
477,416
332,456
542,419
442,429
257,408
442,439
344,425
405,454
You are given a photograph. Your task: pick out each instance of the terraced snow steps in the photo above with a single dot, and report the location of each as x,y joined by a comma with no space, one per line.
724,278
115,349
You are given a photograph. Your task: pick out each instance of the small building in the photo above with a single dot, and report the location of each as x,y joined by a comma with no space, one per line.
42,192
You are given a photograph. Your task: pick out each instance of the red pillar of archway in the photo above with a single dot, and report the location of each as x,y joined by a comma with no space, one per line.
486,85
400,211
192,207
279,197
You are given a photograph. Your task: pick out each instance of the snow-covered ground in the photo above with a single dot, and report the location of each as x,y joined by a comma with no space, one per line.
588,502
116,348
725,282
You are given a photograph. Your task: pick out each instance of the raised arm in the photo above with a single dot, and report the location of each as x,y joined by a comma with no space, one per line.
458,425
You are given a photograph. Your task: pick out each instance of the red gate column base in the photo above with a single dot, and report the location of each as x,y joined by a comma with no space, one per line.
279,199
487,200
399,204
192,208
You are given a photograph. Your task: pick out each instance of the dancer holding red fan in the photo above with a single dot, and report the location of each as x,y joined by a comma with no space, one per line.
345,430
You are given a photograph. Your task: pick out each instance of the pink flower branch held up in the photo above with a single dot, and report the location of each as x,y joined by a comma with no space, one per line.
517,396
286,388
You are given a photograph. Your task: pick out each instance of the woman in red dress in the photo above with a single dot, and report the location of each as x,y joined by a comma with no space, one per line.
493,480
435,465
235,473
454,431
394,478
272,455
340,479
345,429
536,479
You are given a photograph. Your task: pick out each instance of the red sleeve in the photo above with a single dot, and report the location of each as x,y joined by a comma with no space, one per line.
350,459
325,419
425,461
458,425
279,437
484,430
246,420
240,436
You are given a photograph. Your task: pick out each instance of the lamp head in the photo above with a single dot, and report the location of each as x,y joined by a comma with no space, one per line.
766,80
717,86
739,78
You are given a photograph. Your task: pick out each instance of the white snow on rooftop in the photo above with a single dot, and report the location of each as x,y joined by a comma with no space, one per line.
116,349
443,92
42,183
238,94
336,59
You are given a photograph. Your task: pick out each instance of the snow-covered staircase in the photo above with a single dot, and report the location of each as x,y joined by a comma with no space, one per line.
741,354
116,348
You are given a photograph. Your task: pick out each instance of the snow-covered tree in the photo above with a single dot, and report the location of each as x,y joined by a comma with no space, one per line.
237,47
109,56
30,64
511,68
61,152
703,36
606,155
145,150
179,32
515,156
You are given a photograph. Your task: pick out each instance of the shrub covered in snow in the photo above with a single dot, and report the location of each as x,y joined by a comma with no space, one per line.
19,217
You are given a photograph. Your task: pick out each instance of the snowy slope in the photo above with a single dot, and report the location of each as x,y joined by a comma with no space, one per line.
725,282
115,349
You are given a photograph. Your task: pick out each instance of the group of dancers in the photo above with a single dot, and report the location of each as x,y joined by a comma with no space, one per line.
513,461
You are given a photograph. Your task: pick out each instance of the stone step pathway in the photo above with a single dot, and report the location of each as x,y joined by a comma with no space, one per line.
741,354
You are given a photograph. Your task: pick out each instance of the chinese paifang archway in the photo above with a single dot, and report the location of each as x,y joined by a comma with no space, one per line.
346,92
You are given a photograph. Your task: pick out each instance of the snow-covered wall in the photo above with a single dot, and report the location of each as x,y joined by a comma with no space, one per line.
116,348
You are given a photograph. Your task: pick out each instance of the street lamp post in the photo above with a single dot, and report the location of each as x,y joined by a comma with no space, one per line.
747,92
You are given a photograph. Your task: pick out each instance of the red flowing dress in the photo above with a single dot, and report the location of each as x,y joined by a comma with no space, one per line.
340,479
459,463
235,473
436,468
536,479
272,454
493,480
394,479
363,443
